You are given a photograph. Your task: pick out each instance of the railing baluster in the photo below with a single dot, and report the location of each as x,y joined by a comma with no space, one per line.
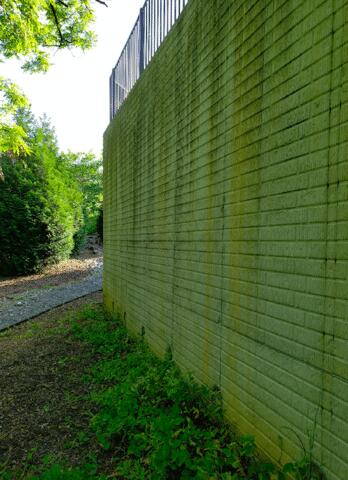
146,35
141,40
150,31
165,8
153,27
153,36
168,14
161,22
154,23
159,40
157,24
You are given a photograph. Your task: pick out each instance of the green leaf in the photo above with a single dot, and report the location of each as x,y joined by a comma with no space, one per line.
289,468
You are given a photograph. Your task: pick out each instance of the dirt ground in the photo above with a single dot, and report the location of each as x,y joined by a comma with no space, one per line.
70,270
39,414
43,399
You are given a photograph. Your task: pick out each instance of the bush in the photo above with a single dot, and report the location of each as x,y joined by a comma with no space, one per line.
40,208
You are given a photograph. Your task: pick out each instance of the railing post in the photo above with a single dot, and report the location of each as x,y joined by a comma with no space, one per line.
141,40
112,95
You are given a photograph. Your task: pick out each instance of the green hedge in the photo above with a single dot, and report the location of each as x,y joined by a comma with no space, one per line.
40,211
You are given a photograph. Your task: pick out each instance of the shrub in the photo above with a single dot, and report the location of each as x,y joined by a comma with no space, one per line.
40,208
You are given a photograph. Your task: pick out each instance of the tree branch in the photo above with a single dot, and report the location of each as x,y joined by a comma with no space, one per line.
62,3
102,3
56,21
56,45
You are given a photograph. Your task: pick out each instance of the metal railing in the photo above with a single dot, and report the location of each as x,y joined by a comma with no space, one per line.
155,20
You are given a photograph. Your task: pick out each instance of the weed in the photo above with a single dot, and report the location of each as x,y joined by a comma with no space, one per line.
155,423
305,468
151,422
63,361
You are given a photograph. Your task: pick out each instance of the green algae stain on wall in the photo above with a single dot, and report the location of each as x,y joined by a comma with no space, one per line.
226,215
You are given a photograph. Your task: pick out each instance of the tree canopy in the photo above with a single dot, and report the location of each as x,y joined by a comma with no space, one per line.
29,31
13,137
87,172
30,28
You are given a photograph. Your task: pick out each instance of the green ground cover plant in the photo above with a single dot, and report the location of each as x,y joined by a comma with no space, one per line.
147,420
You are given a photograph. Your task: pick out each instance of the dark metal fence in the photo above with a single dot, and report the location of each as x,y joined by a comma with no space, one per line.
155,20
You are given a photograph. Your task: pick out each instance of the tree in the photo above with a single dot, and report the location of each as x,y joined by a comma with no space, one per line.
40,203
86,170
13,137
29,30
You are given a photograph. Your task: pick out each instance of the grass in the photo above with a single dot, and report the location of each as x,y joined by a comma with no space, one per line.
100,405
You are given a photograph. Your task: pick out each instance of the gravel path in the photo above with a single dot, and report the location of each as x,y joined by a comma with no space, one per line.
20,307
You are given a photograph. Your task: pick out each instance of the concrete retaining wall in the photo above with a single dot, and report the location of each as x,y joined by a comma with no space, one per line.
226,215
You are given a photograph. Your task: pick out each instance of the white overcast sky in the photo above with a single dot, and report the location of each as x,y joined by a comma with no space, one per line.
75,91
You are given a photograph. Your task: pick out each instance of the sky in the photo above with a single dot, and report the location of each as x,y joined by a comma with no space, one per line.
75,92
